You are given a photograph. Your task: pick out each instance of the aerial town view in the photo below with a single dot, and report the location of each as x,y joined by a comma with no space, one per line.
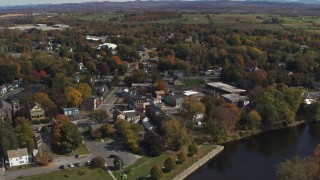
164,90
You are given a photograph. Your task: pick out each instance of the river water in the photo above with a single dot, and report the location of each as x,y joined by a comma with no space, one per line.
255,158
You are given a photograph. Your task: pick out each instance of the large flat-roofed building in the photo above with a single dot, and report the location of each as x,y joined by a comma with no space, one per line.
222,88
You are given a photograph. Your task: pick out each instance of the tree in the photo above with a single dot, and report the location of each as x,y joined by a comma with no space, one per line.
106,130
8,139
154,143
192,108
252,120
175,134
103,68
182,156
156,172
296,168
84,89
217,130
65,135
116,59
161,85
25,134
316,160
193,148
95,133
169,164
98,162
43,99
118,162
73,97
121,126
43,159
99,116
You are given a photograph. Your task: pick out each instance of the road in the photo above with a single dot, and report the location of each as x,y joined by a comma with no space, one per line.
11,93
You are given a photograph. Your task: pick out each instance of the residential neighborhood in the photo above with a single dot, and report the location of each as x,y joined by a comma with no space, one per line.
159,90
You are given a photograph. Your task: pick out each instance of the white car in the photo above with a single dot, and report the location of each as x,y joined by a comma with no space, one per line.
70,165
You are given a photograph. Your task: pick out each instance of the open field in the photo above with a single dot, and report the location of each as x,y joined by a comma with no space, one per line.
142,167
11,15
98,17
74,174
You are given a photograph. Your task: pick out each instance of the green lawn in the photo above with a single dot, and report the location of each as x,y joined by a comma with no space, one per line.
82,149
143,165
74,174
193,82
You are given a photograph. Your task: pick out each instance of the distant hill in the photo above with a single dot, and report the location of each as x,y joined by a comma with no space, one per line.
219,6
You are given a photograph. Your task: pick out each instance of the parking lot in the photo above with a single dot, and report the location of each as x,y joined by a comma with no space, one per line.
113,147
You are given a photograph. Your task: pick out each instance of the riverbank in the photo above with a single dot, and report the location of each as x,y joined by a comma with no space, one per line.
245,134
199,163
141,169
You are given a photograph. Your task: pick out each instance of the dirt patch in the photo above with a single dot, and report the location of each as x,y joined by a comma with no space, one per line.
11,15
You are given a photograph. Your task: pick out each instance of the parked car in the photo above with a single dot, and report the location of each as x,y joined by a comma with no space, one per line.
61,167
70,165
88,163
77,156
77,164
113,156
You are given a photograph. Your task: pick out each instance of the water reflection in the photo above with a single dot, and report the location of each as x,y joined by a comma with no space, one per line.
256,157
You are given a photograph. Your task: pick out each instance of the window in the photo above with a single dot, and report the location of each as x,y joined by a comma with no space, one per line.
21,162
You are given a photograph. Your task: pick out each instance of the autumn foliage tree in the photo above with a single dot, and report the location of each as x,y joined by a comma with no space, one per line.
65,135
84,89
43,99
175,134
73,97
25,134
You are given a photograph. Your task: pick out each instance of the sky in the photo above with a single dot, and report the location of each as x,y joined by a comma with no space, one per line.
24,2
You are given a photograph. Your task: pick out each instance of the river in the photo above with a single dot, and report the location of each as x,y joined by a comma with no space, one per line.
256,157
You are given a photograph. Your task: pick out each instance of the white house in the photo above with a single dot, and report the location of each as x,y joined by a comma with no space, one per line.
18,157
3,90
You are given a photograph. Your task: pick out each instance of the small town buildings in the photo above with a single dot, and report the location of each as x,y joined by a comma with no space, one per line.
100,88
193,94
90,104
222,88
131,116
36,111
174,100
137,102
3,90
156,115
236,99
147,124
18,157
5,110
62,26
311,97
70,111
159,94
157,102
178,73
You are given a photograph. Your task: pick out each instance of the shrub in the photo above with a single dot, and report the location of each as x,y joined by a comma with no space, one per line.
169,164
156,172
98,162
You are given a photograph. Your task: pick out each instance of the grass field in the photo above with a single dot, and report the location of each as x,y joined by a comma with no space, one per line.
193,82
81,173
143,165
82,149
98,17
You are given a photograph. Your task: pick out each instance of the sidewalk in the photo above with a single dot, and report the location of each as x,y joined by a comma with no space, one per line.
199,163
